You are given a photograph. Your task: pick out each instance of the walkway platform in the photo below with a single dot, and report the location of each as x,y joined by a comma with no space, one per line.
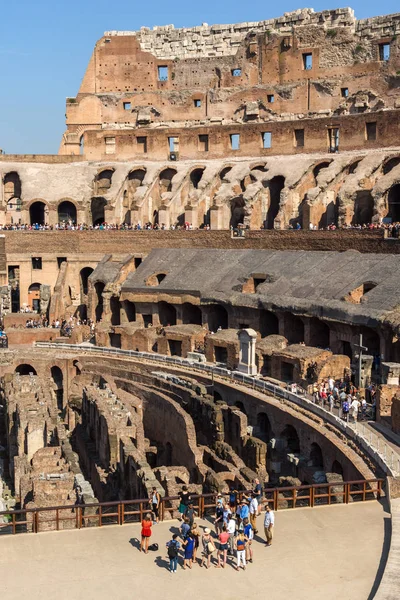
327,552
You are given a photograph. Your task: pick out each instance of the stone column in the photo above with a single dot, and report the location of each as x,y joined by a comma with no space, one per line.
192,215
247,352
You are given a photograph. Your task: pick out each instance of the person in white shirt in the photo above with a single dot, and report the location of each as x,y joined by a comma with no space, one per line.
231,529
269,522
331,383
253,509
355,405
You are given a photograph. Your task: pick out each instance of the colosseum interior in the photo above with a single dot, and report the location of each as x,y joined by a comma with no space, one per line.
212,183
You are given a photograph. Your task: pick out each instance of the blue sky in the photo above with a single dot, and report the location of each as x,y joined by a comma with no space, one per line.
45,46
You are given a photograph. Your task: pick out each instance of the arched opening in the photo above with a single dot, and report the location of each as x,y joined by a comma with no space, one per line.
371,340
25,369
191,314
337,468
318,168
394,203
217,396
135,179
294,329
97,207
12,186
276,186
155,279
76,364
195,177
57,377
168,454
99,289
363,208
84,275
165,179
319,334
316,457
237,212
66,212
103,181
292,442
37,213
115,308
224,173
269,323
241,407
166,314
390,164
217,317
264,427
34,297
130,310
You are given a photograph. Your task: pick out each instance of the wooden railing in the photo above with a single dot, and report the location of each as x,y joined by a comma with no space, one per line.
79,516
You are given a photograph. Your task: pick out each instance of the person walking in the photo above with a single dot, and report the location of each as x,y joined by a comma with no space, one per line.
355,405
173,551
269,521
155,504
146,533
219,516
184,496
223,547
190,513
185,528
208,548
240,550
258,494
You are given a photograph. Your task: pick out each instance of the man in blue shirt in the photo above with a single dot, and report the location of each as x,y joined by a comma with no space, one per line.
244,510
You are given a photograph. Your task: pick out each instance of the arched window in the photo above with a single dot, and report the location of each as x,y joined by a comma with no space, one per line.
25,369
37,213
66,212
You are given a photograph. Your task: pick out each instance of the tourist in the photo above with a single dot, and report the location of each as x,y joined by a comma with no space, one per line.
219,516
173,551
345,409
244,511
249,534
269,521
223,547
155,503
190,513
253,510
363,409
188,546
146,533
208,548
355,405
258,494
240,550
184,496
232,498
196,536
185,528
231,529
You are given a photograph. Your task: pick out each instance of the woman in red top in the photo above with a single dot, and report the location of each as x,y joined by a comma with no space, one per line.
223,547
146,533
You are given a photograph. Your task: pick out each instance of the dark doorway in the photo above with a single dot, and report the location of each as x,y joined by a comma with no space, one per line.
287,370
84,276
25,369
166,314
221,354
319,333
316,457
57,377
394,203
99,288
294,328
97,208
289,434
175,347
130,310
191,314
37,212
115,307
66,212
217,317
115,340
276,185
269,323
264,427
195,177
337,468
363,208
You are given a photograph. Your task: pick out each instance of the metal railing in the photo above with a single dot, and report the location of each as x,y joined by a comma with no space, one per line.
122,512
388,459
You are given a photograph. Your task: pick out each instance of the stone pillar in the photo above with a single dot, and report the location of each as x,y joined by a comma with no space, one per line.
192,216
164,216
247,352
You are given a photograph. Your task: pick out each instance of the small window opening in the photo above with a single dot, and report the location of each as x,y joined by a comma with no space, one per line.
110,145
173,144
235,141
142,143
370,130
344,92
299,138
197,103
127,106
384,52
266,139
60,260
307,61
36,263
333,137
138,261
270,98
236,72
163,73
203,143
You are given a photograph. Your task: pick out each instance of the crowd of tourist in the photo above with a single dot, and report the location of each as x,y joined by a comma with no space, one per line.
232,542
65,326
343,395
392,228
